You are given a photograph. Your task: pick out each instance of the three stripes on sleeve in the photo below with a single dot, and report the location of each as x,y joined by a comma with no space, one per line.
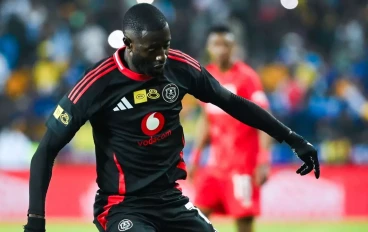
91,77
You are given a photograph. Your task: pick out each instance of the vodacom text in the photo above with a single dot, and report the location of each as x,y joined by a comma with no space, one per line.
154,139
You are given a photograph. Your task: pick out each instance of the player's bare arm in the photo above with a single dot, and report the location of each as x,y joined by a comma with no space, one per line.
263,168
202,138
207,89
202,132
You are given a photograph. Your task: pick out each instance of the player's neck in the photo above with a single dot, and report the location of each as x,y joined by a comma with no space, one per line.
224,66
128,61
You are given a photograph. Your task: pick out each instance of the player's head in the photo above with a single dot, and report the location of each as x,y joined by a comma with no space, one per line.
220,44
147,38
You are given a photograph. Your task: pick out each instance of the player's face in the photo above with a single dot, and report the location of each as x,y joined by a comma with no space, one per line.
151,50
220,46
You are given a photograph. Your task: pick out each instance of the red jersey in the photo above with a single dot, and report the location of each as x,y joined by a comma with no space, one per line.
235,146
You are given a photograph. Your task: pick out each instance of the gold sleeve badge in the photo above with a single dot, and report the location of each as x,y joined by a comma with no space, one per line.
61,115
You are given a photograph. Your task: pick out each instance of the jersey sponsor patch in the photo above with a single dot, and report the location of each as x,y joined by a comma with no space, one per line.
62,116
124,104
125,225
142,96
153,94
152,123
170,93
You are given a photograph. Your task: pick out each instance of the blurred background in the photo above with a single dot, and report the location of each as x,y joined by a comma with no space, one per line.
313,62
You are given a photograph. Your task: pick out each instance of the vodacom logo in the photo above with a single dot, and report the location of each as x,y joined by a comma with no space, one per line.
152,123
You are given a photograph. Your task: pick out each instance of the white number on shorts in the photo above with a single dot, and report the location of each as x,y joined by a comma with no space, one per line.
243,189
190,206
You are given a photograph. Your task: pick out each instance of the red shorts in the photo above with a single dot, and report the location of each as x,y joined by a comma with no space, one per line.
235,195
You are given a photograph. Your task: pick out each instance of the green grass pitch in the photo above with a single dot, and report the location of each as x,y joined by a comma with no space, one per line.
351,226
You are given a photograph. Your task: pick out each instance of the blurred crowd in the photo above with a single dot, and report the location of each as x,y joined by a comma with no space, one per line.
313,62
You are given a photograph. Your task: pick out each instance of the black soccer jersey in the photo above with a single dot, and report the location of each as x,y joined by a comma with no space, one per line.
135,119
136,128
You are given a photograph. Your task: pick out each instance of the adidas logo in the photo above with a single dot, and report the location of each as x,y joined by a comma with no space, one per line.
123,105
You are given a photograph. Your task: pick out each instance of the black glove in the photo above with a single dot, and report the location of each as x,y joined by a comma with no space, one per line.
35,224
306,152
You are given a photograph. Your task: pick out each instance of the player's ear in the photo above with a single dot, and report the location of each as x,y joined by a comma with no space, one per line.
127,42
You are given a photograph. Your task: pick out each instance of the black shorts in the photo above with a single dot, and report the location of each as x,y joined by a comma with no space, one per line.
166,211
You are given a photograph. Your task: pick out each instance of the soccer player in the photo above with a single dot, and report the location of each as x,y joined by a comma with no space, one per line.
132,100
239,156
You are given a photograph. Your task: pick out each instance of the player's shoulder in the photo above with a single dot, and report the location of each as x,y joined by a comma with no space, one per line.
179,59
106,63
94,80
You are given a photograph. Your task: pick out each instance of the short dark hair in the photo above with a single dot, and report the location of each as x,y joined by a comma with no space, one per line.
142,17
221,28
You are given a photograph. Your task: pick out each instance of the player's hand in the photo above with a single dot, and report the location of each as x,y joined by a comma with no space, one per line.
306,152
35,224
261,174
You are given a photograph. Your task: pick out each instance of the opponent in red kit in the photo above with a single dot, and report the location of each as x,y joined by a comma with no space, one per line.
238,163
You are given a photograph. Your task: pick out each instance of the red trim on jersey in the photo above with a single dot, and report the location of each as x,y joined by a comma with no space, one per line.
182,166
88,77
181,163
177,186
126,71
111,201
184,61
93,81
180,53
121,176
188,59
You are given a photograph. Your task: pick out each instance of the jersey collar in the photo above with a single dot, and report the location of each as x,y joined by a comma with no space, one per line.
125,71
